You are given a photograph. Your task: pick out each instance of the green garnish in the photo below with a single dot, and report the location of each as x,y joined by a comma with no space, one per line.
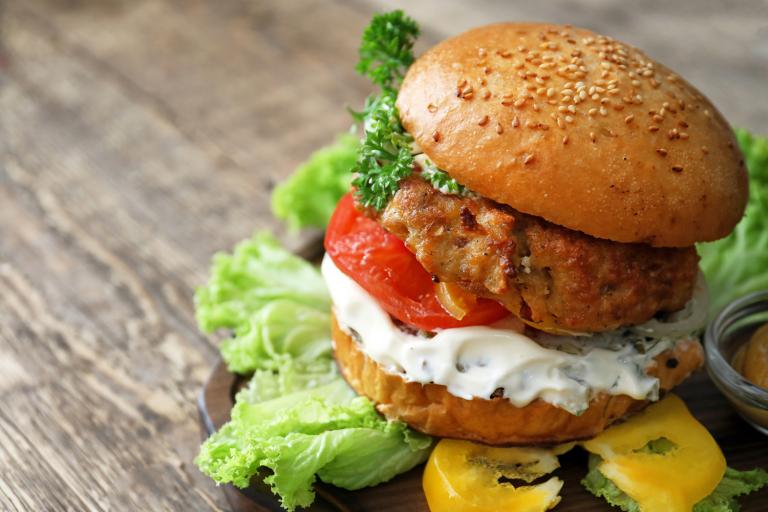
441,181
723,499
386,51
384,158
297,417
736,265
309,196
385,155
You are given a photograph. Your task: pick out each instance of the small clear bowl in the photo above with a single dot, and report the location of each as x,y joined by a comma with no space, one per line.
729,331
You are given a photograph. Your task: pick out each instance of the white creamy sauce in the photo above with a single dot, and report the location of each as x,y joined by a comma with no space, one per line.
474,362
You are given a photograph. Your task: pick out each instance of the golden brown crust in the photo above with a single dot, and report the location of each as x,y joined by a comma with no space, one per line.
525,114
569,281
430,408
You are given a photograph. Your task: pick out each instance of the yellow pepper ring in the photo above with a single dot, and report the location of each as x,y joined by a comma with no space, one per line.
669,482
462,476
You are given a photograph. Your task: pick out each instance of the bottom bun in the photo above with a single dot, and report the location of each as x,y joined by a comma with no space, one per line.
431,409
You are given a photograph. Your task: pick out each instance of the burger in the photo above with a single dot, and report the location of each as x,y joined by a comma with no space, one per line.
515,263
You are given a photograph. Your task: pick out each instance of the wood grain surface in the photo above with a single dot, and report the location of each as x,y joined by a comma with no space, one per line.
138,137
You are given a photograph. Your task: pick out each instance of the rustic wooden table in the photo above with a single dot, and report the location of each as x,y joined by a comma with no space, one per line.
138,137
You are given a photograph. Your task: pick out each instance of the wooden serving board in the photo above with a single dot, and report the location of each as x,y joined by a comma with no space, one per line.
744,448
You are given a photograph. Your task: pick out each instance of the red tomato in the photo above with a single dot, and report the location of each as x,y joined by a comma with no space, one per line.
381,264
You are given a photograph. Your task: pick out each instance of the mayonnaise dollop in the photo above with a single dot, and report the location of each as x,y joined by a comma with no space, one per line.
476,362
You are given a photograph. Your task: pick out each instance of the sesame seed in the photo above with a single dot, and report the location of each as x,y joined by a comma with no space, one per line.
481,52
705,150
653,128
528,159
657,118
519,103
535,107
551,92
592,136
661,151
571,109
436,136
677,168
486,94
684,135
432,108
499,128
568,119
565,140
483,121
515,122
603,112
592,112
629,119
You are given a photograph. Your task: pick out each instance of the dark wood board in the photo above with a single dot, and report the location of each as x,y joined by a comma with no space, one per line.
744,448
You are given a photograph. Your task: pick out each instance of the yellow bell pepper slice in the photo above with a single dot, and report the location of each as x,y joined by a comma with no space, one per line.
462,476
673,481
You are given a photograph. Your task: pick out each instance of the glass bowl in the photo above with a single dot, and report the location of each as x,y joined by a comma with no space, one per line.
729,331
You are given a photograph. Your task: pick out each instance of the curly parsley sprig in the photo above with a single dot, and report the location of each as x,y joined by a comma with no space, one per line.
385,155
440,179
386,51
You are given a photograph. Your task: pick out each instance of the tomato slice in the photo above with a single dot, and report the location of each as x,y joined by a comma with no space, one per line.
383,266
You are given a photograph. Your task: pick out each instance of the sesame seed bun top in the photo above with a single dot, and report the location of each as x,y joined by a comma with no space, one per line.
577,128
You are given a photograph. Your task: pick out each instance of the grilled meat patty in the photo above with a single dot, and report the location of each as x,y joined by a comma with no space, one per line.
550,276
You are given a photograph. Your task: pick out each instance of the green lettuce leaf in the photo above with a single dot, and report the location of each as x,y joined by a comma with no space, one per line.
259,271
723,498
596,483
297,417
326,432
309,196
290,378
736,265
281,331
734,483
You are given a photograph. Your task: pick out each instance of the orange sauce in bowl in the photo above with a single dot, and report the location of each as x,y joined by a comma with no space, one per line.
751,360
